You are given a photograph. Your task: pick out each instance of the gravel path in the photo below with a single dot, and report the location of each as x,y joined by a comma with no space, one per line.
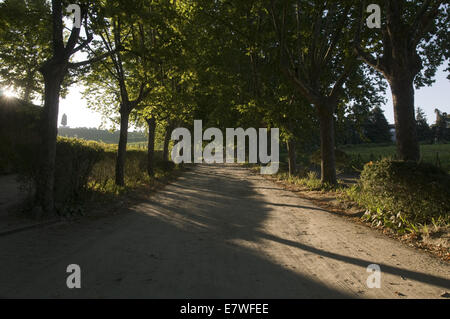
217,232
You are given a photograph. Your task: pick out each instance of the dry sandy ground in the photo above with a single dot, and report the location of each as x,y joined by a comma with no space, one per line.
217,232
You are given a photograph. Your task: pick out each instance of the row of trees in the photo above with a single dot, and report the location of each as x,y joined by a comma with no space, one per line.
302,66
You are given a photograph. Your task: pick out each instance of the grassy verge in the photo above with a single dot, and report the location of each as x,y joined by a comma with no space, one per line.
436,154
102,194
85,176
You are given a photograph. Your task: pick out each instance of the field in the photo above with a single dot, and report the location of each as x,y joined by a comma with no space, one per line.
434,154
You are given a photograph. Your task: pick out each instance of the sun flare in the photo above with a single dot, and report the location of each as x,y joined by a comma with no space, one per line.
9,93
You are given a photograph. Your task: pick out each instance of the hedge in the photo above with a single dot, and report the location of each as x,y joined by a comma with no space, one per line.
402,193
20,144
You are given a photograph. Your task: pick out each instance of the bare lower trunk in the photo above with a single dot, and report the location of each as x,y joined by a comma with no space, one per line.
151,147
46,174
121,153
292,157
405,123
29,87
327,141
167,137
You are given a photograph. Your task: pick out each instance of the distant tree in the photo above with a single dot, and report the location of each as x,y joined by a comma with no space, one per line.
64,120
376,127
423,129
441,132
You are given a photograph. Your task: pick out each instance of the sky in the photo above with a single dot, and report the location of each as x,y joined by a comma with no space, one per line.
430,98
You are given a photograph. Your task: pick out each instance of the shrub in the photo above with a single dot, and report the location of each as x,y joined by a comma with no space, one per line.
75,160
399,194
18,134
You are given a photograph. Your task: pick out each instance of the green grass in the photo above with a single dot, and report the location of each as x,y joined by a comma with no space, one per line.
310,181
137,145
102,176
429,153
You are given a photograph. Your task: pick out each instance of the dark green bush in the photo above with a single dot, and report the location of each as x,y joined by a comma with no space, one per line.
75,160
399,193
19,148
19,134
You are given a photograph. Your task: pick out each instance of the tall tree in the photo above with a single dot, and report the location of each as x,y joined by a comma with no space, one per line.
131,77
411,44
314,39
122,78
54,70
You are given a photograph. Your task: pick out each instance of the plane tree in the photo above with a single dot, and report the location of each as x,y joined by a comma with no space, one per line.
129,75
407,50
315,41
135,79
64,45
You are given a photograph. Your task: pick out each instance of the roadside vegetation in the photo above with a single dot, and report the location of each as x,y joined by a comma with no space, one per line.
84,170
410,200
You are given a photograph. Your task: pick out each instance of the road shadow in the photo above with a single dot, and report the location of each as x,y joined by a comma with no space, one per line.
199,237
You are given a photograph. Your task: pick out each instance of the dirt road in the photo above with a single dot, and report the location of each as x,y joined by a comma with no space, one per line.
217,232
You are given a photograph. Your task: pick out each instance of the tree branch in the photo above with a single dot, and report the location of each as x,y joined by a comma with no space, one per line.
302,87
88,62
370,59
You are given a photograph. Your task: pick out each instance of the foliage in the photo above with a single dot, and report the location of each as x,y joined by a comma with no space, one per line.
75,160
24,45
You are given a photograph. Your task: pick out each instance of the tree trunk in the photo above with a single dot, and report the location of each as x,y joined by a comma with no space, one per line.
45,181
121,153
167,137
327,141
292,157
28,86
405,122
151,147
